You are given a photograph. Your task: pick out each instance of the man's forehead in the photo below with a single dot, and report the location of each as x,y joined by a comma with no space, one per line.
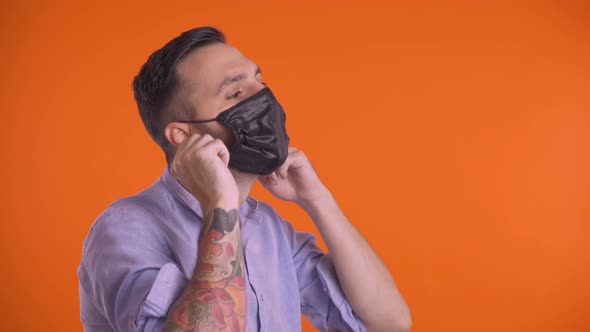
210,63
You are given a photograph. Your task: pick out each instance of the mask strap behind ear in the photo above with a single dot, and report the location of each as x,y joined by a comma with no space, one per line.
197,121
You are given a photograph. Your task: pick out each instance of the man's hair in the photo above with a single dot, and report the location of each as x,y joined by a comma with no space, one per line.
158,83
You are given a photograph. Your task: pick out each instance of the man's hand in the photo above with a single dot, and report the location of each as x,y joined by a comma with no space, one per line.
201,166
296,181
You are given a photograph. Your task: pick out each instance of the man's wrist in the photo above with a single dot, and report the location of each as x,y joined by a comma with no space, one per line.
223,203
322,203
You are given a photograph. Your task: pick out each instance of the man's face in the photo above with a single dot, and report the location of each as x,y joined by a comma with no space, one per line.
213,79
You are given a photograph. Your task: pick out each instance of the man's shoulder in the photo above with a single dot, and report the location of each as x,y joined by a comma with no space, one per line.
139,213
145,203
126,235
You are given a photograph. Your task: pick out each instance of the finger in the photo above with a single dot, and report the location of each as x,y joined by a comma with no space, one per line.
268,180
195,143
222,151
201,141
282,171
187,143
273,178
218,148
264,180
298,159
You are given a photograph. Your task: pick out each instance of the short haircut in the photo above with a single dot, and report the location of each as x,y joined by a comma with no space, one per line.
158,83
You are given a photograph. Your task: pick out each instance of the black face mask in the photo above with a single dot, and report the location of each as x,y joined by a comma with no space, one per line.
260,142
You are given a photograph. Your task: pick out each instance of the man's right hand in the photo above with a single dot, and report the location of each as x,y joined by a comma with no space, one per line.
201,166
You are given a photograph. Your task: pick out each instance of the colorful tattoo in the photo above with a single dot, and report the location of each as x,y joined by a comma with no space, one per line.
215,299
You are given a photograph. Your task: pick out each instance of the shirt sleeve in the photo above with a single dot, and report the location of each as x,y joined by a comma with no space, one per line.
127,275
322,299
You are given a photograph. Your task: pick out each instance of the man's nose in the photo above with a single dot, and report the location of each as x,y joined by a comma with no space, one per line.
256,87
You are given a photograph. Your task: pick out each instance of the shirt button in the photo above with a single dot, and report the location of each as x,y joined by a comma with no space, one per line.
325,289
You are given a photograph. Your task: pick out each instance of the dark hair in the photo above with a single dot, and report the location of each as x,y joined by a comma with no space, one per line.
157,82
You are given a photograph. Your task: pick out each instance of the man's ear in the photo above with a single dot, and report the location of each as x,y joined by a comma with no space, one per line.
176,132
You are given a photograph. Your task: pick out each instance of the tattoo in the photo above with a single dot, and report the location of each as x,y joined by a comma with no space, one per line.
215,298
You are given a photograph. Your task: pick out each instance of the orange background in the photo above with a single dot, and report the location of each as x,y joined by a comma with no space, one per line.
454,134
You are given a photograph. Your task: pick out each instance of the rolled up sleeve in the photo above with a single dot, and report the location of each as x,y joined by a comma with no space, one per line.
166,287
322,300
127,279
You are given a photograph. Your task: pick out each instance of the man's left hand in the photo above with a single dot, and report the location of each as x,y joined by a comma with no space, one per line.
296,181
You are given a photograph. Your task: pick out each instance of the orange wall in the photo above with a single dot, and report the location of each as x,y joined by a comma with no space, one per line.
455,135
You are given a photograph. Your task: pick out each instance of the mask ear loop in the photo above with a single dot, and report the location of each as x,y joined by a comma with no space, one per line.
197,121
234,131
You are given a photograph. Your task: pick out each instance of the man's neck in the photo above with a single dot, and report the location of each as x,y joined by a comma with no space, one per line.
245,182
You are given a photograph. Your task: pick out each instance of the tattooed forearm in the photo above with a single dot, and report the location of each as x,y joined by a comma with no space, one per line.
215,298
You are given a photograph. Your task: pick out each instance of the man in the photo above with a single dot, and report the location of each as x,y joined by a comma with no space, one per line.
194,252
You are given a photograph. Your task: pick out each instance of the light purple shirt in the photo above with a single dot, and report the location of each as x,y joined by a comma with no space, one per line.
141,251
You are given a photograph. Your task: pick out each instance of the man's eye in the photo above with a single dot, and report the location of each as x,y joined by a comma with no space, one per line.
235,95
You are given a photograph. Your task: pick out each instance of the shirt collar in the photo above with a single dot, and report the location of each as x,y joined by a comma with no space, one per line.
248,212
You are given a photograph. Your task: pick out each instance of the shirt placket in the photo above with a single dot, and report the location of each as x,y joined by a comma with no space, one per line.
252,253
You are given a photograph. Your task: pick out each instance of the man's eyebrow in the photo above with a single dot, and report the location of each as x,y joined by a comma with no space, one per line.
234,78
229,80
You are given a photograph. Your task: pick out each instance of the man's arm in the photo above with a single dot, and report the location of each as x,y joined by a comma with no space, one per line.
365,280
215,297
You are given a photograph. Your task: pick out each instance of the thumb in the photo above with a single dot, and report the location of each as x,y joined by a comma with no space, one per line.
181,137
266,180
